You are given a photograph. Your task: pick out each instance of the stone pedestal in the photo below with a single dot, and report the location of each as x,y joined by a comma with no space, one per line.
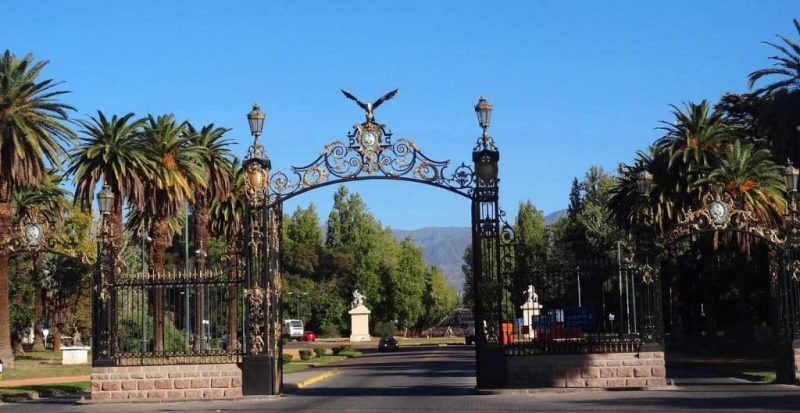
529,309
359,323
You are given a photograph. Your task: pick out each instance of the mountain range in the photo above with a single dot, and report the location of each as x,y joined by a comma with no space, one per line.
443,247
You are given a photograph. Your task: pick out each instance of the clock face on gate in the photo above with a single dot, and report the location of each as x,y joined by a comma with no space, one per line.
718,212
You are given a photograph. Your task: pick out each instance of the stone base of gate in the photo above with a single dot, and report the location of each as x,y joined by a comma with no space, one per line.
607,370
183,382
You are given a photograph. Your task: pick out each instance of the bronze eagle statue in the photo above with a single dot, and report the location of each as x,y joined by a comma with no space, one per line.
369,107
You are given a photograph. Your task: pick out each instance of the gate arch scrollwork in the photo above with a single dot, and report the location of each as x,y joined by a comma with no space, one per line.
370,153
720,212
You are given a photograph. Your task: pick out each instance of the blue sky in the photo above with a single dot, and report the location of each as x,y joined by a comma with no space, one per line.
573,84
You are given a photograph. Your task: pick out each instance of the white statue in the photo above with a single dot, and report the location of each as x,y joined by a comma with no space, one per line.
358,299
530,294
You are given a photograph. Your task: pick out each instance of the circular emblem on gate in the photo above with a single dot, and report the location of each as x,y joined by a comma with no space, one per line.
33,234
718,212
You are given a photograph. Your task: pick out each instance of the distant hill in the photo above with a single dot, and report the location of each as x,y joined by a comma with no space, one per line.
442,247
554,216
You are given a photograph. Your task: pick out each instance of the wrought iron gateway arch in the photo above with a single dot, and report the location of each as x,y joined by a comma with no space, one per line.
370,152
721,213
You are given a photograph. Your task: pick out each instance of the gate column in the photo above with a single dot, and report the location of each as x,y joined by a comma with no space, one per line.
487,281
261,369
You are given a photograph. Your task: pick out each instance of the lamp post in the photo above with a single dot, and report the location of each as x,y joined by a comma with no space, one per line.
200,256
650,326
261,367
297,295
789,285
486,155
103,297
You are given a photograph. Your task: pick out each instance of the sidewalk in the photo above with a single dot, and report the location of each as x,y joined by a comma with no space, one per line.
291,381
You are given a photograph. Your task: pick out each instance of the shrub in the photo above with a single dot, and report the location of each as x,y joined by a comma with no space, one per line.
331,331
287,358
214,343
305,354
319,351
384,329
345,347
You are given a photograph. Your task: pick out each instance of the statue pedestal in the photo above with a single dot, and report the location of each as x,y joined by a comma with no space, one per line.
529,309
359,323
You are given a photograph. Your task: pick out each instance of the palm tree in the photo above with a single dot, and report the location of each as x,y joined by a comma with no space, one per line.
32,129
215,159
779,118
226,221
111,151
787,65
176,172
749,174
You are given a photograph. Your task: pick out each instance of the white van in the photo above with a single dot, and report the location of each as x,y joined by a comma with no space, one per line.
293,329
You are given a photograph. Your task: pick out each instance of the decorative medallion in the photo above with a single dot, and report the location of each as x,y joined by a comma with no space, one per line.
33,234
718,211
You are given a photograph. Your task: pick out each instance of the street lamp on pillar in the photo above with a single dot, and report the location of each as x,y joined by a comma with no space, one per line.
485,154
483,109
261,368
792,174
256,165
103,297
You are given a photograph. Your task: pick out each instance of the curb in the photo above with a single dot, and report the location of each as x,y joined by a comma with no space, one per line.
563,390
311,380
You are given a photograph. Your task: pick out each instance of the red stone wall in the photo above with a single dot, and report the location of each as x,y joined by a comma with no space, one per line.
587,370
195,381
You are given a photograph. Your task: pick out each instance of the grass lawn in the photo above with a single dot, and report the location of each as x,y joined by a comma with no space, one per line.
428,341
43,364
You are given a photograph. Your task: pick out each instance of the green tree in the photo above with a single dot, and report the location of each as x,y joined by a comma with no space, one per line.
408,285
214,158
176,174
778,116
530,234
302,246
110,151
749,173
439,298
32,129
353,231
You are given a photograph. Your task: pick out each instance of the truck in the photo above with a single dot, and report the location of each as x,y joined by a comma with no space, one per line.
293,329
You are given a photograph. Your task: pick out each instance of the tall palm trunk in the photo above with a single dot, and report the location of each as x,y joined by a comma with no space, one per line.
116,220
201,220
161,238
6,353
38,303
233,296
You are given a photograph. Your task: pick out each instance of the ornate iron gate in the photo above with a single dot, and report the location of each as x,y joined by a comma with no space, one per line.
370,153
720,213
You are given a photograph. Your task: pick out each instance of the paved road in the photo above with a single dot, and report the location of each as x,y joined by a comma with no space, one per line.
431,379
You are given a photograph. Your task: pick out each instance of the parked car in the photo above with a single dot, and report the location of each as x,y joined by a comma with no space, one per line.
388,344
309,336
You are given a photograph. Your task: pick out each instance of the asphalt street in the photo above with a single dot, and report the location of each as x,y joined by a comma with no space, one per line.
441,379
